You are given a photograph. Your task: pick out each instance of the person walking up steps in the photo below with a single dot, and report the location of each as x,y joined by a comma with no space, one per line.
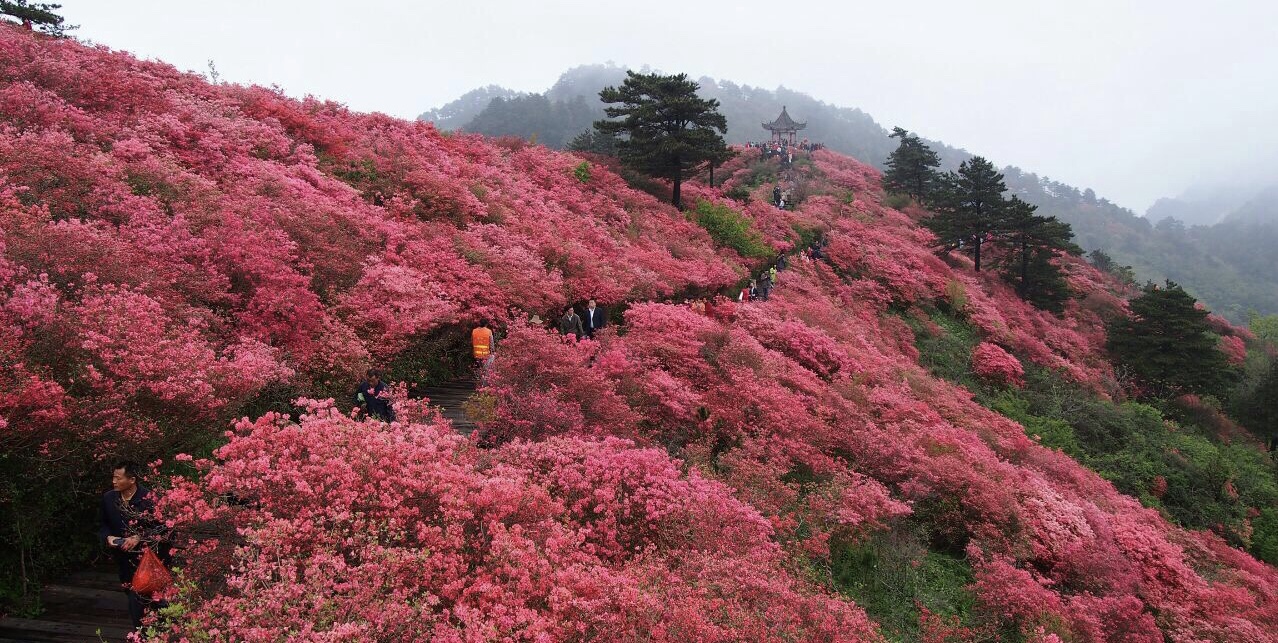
481,346
127,527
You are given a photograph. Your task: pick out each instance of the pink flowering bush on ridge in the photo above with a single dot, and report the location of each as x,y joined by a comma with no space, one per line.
991,362
407,532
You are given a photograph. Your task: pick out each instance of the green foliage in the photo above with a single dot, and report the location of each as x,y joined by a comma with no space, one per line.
731,228
1106,264
1257,405
582,172
969,207
1170,458
1264,326
535,117
947,354
42,16
1167,345
664,128
894,574
46,527
911,169
1051,432
807,235
897,201
1034,241
594,142
1264,538
739,193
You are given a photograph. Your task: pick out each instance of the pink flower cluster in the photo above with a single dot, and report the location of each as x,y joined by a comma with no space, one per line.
991,362
407,532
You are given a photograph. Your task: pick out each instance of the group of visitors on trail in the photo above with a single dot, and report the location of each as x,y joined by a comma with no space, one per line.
584,325
784,150
130,530
761,287
781,198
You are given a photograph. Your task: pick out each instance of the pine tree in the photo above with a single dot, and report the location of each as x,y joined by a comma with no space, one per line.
1033,242
1168,346
594,142
666,130
969,207
41,16
1258,408
911,169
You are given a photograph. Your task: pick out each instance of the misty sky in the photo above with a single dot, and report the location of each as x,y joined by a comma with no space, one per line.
1137,99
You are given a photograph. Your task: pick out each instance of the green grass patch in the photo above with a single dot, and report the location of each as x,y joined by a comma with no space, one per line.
730,228
893,574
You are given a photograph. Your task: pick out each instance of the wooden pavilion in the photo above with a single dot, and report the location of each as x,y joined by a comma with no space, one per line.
784,128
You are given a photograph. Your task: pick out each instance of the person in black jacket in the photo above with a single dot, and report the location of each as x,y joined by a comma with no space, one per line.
127,526
593,318
570,324
371,395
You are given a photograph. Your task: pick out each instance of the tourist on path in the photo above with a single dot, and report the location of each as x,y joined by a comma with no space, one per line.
593,318
481,346
127,527
570,324
371,396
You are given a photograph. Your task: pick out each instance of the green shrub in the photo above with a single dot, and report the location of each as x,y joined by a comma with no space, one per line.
1051,432
1264,537
739,193
582,172
730,228
894,574
896,201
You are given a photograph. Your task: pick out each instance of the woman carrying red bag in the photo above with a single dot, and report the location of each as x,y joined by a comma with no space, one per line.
135,537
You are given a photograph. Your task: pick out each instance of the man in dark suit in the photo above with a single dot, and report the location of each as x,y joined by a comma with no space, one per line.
127,526
593,318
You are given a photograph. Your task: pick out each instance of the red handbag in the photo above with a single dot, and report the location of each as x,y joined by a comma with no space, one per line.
152,576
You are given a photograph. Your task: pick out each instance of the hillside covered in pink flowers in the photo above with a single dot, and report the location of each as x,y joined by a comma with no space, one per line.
196,275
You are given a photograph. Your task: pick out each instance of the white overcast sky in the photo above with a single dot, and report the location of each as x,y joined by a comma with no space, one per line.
1137,99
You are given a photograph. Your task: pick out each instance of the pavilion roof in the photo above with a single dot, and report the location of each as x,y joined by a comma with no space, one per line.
784,123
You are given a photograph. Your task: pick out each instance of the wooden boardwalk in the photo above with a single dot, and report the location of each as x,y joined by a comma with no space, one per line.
88,605
450,397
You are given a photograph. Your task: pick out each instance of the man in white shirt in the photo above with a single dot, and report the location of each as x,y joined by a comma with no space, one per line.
593,318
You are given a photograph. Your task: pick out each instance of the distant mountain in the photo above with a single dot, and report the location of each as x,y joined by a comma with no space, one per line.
1209,205
1220,267
1261,208
458,113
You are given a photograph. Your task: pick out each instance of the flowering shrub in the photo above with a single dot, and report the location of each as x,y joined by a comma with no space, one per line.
175,255
1234,349
407,532
991,362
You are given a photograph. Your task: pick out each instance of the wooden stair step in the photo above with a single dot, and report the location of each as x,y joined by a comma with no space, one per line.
24,629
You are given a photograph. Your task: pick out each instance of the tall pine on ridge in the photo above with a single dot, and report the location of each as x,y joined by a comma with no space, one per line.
665,129
970,207
911,169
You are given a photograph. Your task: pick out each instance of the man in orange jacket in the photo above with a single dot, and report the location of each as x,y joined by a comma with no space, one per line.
481,343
